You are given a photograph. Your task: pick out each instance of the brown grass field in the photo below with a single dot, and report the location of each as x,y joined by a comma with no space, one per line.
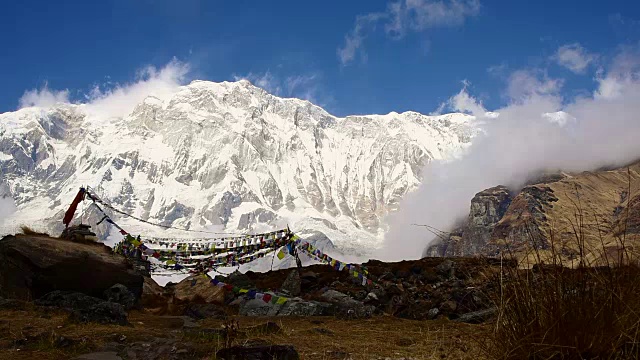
313,337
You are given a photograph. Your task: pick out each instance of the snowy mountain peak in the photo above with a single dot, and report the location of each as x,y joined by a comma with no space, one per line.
227,156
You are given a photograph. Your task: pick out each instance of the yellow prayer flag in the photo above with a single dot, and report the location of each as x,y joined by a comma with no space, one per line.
281,301
243,291
281,254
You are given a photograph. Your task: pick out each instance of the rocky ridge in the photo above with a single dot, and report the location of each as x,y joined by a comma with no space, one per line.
600,206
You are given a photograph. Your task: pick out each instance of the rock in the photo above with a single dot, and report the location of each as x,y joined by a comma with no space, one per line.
256,307
102,313
445,269
120,294
68,300
347,306
196,289
12,304
84,308
487,209
106,355
204,311
306,308
275,352
477,317
293,307
433,313
154,297
239,279
79,233
292,284
322,331
32,266
448,307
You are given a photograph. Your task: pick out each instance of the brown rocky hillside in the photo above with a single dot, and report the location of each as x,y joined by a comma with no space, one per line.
596,212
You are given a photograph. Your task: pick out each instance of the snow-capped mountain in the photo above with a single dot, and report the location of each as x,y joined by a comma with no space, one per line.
227,157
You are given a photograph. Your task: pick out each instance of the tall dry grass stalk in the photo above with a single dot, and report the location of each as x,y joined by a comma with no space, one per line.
588,311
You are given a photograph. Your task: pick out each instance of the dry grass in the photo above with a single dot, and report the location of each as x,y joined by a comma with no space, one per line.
26,230
585,311
313,337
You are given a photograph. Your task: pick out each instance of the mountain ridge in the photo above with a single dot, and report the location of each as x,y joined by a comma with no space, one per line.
224,156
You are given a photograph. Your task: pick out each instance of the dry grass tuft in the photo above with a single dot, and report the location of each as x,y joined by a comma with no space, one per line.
26,230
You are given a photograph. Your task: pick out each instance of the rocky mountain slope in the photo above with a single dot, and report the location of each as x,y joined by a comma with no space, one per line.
596,211
227,157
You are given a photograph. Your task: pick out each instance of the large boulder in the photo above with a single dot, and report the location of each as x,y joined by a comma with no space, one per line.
120,294
102,313
154,297
84,308
198,289
292,284
293,307
346,306
32,266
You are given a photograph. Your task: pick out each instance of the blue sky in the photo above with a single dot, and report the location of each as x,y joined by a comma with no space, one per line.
352,57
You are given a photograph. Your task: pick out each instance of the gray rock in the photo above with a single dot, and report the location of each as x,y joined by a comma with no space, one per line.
371,297
477,317
446,269
346,306
102,313
106,355
203,311
120,294
306,308
68,300
433,313
256,307
292,284
239,279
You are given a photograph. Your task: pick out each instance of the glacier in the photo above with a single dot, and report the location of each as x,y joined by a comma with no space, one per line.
226,157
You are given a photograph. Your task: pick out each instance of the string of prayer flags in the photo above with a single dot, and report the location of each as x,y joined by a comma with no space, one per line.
355,270
251,294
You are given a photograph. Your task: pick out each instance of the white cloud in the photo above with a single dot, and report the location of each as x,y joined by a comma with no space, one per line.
525,84
43,97
574,57
537,132
406,16
623,75
353,40
419,15
462,102
7,207
117,100
121,100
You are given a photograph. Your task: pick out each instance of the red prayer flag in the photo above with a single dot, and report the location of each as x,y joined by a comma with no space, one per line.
68,216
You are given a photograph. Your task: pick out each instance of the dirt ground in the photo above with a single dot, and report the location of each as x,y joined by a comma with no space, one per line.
36,334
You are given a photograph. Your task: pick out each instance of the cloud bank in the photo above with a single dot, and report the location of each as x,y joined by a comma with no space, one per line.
405,16
538,131
119,100
43,97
